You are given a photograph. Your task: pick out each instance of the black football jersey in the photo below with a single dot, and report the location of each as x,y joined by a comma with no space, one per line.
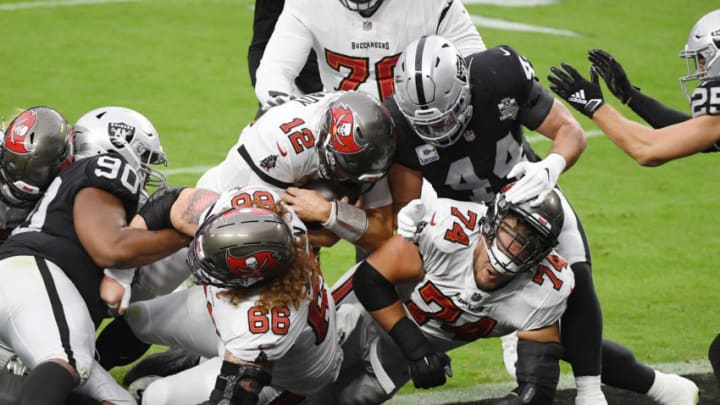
706,101
49,230
506,96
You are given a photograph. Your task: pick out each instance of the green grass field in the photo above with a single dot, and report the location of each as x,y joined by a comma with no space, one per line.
183,64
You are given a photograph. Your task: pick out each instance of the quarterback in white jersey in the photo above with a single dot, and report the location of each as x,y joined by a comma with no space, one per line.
468,274
357,50
299,340
342,138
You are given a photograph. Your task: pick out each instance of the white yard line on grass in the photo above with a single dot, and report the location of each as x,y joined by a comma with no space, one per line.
499,390
58,3
512,3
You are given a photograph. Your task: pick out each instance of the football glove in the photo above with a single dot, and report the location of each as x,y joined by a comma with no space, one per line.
613,73
275,98
430,370
408,218
428,367
583,95
537,179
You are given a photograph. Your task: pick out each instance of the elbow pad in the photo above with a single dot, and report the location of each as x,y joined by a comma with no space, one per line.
372,289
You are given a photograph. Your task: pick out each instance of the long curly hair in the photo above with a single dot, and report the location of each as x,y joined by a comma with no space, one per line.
287,289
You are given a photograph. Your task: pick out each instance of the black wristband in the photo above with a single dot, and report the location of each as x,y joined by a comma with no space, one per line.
156,210
411,340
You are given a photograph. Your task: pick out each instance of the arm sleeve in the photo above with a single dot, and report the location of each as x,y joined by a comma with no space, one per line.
456,25
655,113
284,57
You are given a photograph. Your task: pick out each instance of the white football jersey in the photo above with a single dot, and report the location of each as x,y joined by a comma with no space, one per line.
301,342
354,52
278,150
447,304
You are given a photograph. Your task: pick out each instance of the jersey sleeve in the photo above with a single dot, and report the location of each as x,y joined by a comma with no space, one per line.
455,24
111,173
549,297
285,54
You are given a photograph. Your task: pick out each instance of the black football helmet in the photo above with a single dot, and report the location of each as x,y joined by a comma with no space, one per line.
357,139
37,144
536,231
241,247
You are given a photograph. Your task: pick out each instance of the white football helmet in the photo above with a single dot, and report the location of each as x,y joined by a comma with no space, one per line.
702,51
126,132
432,90
366,8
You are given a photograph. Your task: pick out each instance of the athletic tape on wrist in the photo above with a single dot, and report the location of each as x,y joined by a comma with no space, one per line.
346,221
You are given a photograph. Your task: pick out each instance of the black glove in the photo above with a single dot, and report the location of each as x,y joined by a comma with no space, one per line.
430,370
585,96
428,367
156,210
614,75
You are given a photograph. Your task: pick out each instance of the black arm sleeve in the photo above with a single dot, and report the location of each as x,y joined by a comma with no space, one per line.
655,113
538,371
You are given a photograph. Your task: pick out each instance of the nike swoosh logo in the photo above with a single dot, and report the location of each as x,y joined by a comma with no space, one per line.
432,220
282,152
504,51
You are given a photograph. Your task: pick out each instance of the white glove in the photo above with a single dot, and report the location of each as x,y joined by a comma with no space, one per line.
276,98
16,366
408,218
536,179
124,278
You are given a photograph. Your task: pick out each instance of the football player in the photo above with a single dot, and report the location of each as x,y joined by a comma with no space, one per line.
265,17
357,42
55,258
470,272
38,144
343,138
267,300
460,126
674,134
35,147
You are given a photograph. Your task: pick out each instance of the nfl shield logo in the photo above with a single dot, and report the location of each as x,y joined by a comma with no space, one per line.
367,25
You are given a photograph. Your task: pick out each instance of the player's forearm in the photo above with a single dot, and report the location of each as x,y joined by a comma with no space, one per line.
630,136
380,228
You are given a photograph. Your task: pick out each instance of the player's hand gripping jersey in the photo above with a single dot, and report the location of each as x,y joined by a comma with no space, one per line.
446,303
356,53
